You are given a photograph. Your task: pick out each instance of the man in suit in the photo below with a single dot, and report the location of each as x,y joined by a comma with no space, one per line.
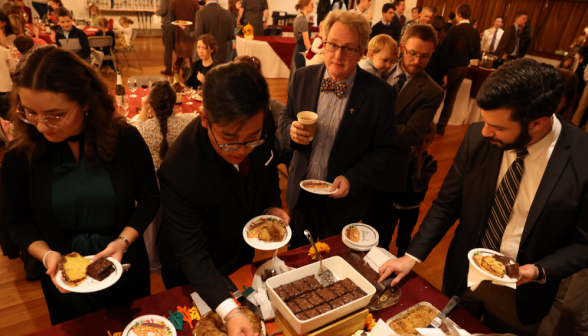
167,35
216,21
355,133
517,186
218,175
491,36
399,20
418,98
510,43
385,25
461,44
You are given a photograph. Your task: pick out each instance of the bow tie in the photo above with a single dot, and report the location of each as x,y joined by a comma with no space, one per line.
338,89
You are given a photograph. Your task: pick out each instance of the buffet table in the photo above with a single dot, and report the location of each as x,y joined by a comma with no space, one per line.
90,31
275,53
288,31
113,320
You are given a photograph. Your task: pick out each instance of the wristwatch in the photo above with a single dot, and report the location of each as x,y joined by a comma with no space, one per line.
541,276
125,240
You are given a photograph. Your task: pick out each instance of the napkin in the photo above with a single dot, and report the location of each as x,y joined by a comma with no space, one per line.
377,256
475,278
382,329
433,331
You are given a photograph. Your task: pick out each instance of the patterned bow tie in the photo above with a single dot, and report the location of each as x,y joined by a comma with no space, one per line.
338,89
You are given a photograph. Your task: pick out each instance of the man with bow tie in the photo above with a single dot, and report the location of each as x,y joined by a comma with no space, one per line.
355,134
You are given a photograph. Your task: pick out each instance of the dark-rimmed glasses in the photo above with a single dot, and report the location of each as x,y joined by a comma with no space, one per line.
425,58
235,146
346,51
33,118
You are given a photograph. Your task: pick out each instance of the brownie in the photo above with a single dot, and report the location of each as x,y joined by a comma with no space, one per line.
301,285
336,303
326,294
337,289
347,298
324,308
100,269
282,293
314,299
312,282
302,316
303,303
357,295
312,313
348,284
293,307
291,290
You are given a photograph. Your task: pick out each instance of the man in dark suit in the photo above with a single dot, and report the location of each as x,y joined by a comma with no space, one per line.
510,43
517,186
461,44
216,21
218,175
355,134
167,35
399,20
418,98
385,26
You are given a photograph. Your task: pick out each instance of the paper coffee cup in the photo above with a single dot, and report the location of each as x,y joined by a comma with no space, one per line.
308,120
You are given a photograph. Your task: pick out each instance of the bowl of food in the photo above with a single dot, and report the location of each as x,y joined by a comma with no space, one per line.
267,233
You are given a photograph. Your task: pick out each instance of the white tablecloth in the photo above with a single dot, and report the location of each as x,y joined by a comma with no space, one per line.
461,108
272,65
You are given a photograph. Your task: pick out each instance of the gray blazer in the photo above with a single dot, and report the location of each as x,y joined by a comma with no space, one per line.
216,21
415,109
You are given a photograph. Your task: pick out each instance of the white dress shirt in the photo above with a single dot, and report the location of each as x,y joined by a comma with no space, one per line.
487,39
7,67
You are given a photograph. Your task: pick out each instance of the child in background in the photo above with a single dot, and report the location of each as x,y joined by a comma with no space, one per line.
407,206
316,54
69,37
95,16
382,56
123,25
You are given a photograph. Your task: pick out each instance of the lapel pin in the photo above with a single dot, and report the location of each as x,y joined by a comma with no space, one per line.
352,110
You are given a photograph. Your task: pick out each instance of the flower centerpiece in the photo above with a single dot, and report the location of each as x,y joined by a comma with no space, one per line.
248,31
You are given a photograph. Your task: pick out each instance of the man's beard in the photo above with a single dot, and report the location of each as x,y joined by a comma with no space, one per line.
521,141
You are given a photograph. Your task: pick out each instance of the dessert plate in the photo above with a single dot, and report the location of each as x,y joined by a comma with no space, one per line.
152,325
311,187
488,252
260,244
92,285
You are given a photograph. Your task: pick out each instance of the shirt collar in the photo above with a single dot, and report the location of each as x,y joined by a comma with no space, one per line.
516,27
211,2
398,71
397,15
464,21
539,147
385,23
347,81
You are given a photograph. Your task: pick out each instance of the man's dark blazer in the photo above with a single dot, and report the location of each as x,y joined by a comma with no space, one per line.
415,109
398,24
216,21
461,44
205,206
555,236
365,141
508,42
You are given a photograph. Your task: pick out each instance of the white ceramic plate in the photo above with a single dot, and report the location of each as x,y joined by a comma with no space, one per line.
317,191
358,248
260,244
92,29
368,236
182,24
156,319
487,252
92,285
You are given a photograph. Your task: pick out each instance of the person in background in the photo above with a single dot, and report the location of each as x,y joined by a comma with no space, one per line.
316,53
323,9
566,63
7,68
24,44
433,68
5,30
426,16
124,31
462,43
184,46
103,26
52,36
382,56
526,39
449,22
168,35
18,29
491,36
53,5
581,101
7,8
416,14
565,107
399,20
363,7
69,34
510,43
234,7
338,4
41,7
474,24
25,10
95,16
255,13
301,34
385,26
89,172
207,48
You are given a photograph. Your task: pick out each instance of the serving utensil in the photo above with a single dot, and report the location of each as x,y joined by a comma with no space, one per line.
443,315
324,276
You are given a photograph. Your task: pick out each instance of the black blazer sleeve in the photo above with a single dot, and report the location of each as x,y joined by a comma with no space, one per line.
83,38
446,49
504,42
272,192
288,115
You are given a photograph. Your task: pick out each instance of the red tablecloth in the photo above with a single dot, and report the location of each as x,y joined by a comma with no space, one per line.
47,37
414,289
478,76
290,29
283,46
134,103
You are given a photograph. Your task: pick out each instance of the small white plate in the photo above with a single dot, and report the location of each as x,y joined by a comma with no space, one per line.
488,252
317,191
260,244
156,319
358,248
368,235
92,285
92,29
182,24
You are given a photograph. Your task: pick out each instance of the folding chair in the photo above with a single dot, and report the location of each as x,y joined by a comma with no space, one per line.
129,49
101,42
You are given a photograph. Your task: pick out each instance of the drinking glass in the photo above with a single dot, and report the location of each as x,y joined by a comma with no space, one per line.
124,105
25,16
200,89
144,84
36,30
132,84
188,91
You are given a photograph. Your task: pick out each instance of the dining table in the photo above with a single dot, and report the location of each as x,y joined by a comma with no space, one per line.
274,52
135,103
113,320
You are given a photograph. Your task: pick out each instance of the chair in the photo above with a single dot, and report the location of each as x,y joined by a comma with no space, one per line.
100,42
130,48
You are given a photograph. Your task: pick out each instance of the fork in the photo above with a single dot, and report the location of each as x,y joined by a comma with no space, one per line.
324,276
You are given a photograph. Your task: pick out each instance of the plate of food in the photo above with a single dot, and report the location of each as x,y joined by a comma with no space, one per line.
317,187
150,325
495,265
267,233
182,23
212,324
76,273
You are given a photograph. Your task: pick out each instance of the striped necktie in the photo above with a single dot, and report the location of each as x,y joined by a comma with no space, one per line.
503,202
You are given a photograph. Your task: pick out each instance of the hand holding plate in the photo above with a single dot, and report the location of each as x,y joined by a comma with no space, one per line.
115,249
342,183
279,213
239,325
52,262
529,273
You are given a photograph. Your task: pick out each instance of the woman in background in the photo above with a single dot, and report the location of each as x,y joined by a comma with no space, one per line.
301,33
206,47
566,63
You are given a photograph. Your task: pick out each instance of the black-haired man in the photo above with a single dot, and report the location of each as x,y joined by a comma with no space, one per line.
385,26
517,186
510,44
399,20
218,175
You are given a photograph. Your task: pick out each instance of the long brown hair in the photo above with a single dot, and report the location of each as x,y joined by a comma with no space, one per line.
57,70
209,41
162,99
17,24
233,6
301,4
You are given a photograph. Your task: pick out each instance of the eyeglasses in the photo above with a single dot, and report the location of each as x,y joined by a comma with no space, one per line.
235,146
331,47
32,118
412,53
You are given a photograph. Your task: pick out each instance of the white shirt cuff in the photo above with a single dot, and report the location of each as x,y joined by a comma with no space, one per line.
414,258
225,308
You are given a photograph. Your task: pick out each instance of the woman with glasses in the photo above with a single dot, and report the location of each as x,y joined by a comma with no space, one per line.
79,179
219,174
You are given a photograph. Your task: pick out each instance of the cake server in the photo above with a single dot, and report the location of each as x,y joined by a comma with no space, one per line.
324,276
442,315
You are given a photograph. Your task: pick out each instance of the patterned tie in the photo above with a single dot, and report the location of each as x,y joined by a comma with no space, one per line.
493,40
338,89
503,202
400,83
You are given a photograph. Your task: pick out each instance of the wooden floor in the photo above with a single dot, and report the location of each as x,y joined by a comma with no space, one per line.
22,305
